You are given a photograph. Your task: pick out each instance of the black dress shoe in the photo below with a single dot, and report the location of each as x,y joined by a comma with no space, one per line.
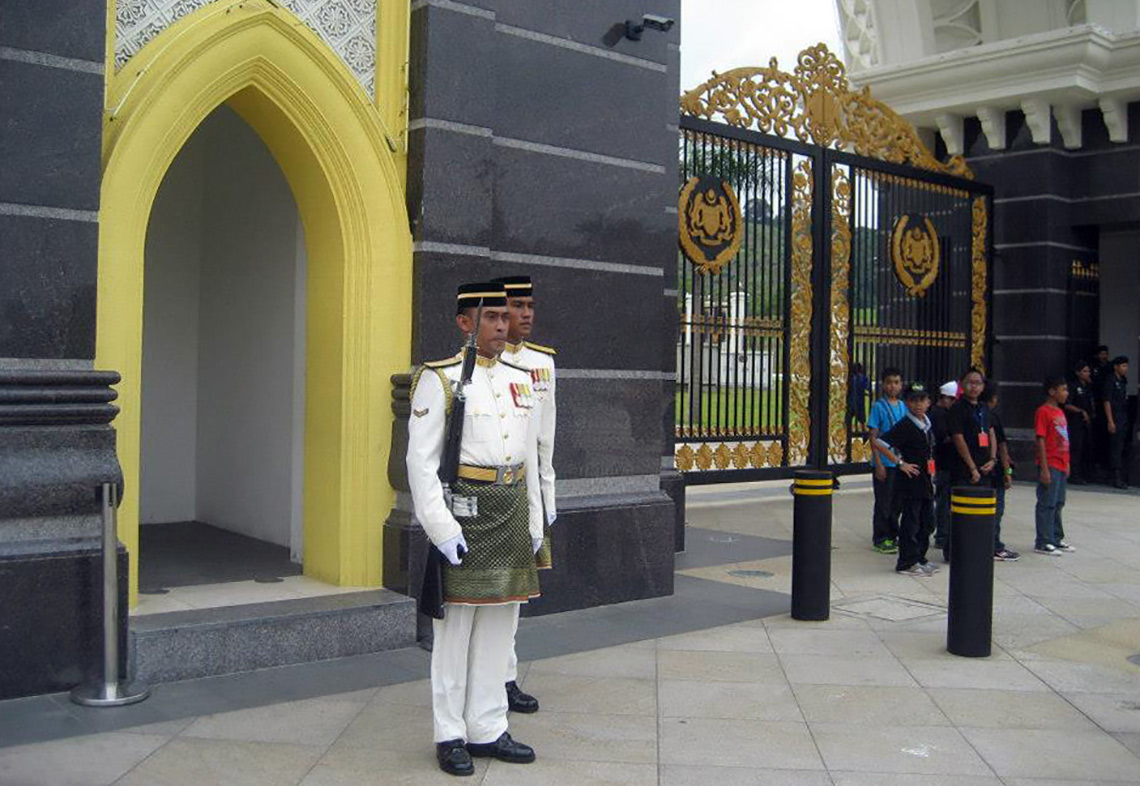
454,758
503,749
517,701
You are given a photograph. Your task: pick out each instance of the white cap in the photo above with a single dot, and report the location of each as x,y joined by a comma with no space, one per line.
949,389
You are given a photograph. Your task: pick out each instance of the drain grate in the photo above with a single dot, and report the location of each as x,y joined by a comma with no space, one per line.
889,608
751,574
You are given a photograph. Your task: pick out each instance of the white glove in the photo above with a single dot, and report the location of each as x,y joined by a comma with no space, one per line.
450,548
536,544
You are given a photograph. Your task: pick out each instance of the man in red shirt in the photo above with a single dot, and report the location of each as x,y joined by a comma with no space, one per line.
1052,432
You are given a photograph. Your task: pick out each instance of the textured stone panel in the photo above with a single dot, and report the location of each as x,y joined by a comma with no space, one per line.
347,26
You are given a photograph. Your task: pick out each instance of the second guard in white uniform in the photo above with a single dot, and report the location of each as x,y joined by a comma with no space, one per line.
487,527
539,361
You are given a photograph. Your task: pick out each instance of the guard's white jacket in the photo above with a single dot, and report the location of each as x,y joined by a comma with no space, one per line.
496,432
539,360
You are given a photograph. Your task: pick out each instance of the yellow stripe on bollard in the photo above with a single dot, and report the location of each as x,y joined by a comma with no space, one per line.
811,492
990,511
954,500
824,482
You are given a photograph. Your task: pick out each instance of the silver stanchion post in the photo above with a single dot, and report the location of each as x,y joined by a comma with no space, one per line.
110,692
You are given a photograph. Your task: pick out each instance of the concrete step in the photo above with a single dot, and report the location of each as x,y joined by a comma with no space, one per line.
183,645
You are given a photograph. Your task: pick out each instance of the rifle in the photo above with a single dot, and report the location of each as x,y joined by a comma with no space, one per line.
431,594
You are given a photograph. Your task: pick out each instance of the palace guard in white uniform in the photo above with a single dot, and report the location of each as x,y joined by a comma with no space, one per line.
539,361
483,523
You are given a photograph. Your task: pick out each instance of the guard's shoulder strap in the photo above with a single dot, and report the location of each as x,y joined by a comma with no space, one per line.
451,361
448,393
541,348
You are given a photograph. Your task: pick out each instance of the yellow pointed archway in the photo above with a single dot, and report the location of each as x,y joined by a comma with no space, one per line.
330,142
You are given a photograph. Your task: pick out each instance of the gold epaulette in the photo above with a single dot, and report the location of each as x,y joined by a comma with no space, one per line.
540,348
451,361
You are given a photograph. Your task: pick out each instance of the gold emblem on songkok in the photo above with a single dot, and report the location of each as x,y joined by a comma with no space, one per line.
710,222
915,251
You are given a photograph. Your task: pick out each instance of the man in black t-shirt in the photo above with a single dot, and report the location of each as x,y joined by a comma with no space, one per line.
1114,395
975,443
1079,411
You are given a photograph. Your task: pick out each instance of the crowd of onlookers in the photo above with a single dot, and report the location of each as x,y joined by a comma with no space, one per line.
925,442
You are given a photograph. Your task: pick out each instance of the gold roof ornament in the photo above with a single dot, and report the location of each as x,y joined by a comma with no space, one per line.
817,105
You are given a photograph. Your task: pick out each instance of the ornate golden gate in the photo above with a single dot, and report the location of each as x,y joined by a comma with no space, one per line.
819,238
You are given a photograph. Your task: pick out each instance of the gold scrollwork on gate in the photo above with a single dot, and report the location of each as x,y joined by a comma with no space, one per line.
799,366
840,313
729,455
915,253
978,279
816,104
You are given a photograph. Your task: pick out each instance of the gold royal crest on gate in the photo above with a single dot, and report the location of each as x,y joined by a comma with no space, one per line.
710,223
915,251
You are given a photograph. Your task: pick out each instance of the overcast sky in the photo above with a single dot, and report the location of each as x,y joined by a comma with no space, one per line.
725,34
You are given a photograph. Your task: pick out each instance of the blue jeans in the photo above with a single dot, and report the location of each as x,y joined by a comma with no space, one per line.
1050,503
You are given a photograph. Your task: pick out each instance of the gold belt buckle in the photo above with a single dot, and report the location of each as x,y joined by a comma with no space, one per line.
508,475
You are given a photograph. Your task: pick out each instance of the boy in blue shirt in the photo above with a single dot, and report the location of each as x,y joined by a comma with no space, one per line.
885,415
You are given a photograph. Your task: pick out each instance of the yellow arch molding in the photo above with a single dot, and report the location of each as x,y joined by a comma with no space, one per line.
330,143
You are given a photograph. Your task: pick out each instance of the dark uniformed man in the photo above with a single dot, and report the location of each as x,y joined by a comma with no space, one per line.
1080,412
539,360
1114,395
485,525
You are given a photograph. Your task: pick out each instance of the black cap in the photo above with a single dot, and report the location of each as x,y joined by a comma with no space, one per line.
1102,348
480,293
915,390
516,286
1116,361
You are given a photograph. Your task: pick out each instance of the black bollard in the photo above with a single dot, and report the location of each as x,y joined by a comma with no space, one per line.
811,545
970,620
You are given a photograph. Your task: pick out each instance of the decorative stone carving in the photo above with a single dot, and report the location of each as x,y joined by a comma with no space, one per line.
347,26
950,126
1115,113
1069,123
1039,119
993,126
860,36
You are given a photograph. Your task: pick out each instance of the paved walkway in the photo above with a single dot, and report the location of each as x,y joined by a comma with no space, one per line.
869,697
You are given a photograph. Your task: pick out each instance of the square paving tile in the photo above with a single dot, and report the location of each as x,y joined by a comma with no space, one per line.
1116,712
732,700
93,760
197,762
840,643
1012,709
687,775
935,750
310,722
630,661
628,739
603,695
974,673
1033,753
732,638
375,767
900,779
829,670
547,772
719,667
874,705
716,742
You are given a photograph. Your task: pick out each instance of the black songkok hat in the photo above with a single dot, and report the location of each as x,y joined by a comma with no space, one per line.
516,286
915,390
479,293
1116,361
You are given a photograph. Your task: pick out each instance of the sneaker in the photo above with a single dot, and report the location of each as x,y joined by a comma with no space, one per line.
1005,555
1063,546
887,546
929,567
913,570
1049,549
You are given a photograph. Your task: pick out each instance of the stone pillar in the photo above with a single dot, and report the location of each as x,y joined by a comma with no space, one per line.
543,142
56,444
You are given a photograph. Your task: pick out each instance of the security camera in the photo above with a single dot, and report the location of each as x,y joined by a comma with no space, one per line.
633,30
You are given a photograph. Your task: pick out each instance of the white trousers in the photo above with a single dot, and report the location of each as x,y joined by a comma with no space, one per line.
513,658
468,670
